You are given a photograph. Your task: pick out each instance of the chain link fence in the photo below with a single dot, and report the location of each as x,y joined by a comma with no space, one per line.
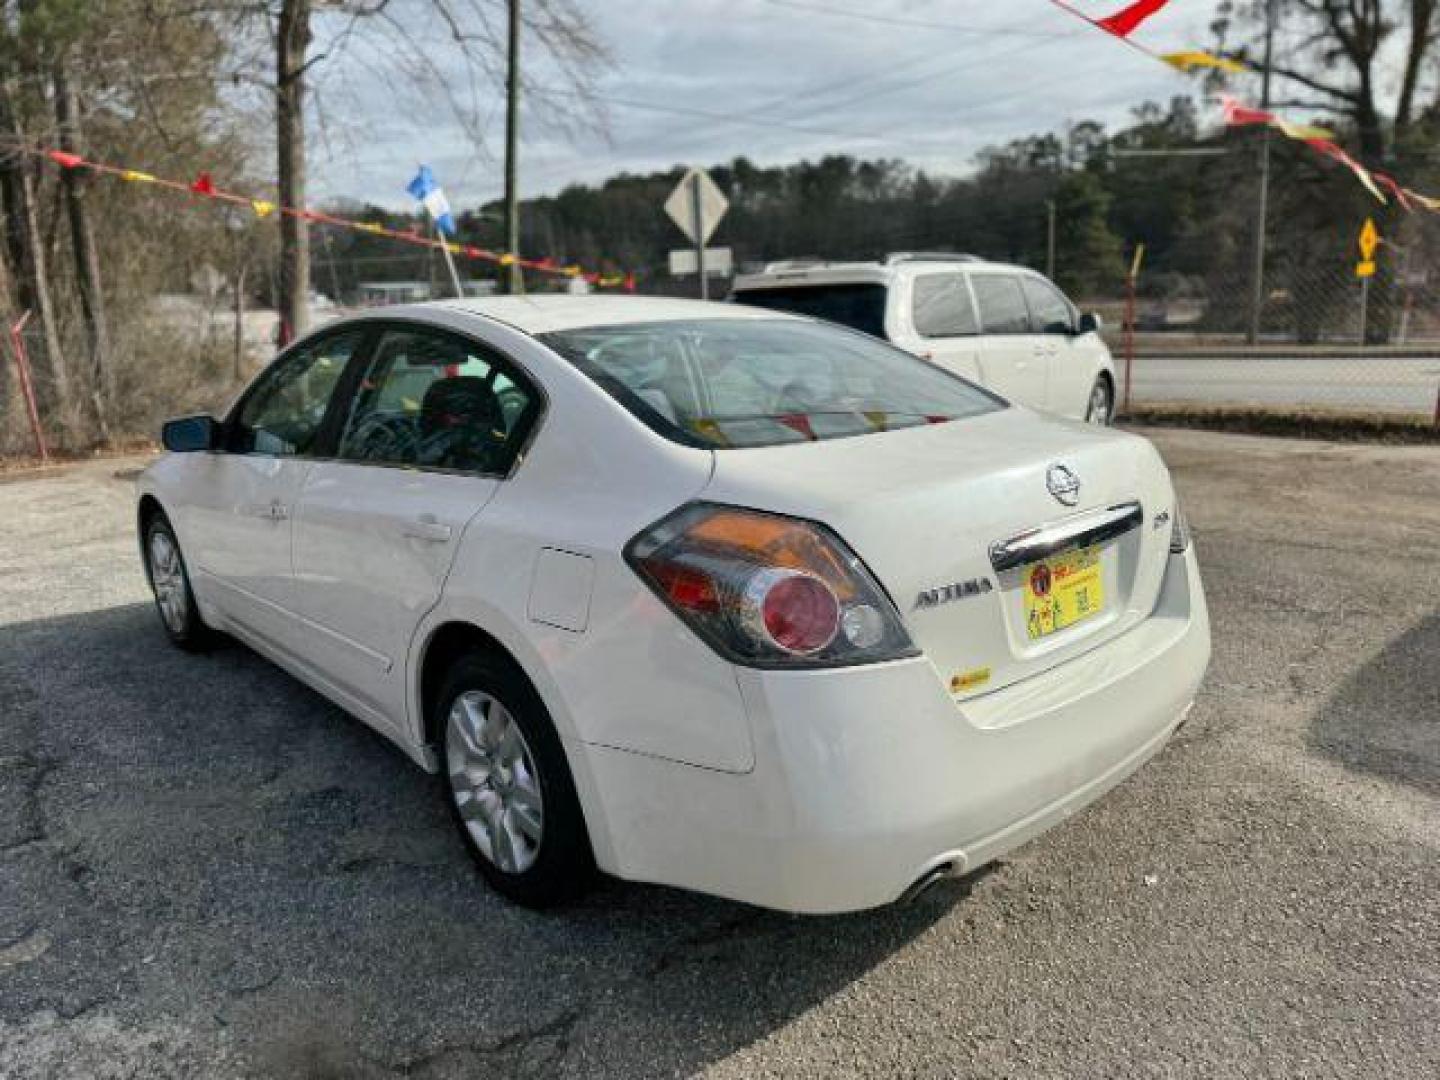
1326,343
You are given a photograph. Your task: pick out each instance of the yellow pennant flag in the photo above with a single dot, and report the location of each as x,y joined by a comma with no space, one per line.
262,208
1302,132
1189,61
137,176
1427,201
370,227
507,259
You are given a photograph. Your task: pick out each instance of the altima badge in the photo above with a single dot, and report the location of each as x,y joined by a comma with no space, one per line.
1063,484
948,594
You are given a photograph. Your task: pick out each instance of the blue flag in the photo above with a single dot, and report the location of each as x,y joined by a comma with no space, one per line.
432,196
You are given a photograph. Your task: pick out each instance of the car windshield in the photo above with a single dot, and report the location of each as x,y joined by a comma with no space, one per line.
722,383
860,307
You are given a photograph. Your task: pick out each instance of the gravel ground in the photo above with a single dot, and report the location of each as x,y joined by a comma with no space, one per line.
206,870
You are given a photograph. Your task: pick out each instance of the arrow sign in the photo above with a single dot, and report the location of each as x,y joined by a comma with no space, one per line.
697,199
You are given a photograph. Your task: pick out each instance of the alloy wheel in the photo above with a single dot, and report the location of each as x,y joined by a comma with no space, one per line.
1100,403
494,781
168,579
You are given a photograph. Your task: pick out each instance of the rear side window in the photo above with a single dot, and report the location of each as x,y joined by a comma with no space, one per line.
720,383
432,400
942,307
860,307
1050,312
1002,304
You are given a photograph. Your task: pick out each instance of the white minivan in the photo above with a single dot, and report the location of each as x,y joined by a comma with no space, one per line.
1005,327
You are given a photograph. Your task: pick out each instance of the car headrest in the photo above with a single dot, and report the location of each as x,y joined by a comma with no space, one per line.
465,401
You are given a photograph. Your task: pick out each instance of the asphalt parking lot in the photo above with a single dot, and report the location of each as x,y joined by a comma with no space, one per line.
206,870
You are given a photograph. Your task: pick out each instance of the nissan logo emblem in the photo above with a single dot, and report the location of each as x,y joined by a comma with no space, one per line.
1063,484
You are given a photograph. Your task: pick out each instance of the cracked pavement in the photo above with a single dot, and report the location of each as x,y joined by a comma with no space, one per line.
207,870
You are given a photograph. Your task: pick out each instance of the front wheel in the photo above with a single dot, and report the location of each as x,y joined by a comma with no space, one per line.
170,582
510,785
1101,409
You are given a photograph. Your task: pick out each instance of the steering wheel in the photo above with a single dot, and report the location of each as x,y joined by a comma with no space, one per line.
384,437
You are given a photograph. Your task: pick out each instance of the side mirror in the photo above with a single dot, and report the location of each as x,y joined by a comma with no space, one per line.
190,434
1090,323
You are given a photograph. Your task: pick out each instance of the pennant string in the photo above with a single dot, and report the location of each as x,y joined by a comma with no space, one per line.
204,186
1124,22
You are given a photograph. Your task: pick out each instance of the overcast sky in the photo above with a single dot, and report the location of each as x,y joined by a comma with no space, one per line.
703,81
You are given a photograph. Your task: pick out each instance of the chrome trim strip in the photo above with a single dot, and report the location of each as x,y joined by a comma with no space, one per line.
1080,531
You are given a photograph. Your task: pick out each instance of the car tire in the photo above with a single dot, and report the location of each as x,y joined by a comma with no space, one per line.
170,583
508,784
1101,407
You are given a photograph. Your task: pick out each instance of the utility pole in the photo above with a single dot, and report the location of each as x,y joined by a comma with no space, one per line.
696,214
1257,278
1050,239
512,137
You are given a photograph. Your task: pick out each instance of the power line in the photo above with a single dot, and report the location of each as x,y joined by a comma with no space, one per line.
927,24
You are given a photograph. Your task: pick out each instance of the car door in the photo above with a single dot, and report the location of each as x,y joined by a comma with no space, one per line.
241,512
433,425
942,315
1014,362
1071,366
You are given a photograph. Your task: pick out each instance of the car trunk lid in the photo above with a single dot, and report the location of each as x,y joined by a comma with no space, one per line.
958,521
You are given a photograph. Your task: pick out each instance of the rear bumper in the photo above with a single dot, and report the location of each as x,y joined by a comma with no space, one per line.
866,779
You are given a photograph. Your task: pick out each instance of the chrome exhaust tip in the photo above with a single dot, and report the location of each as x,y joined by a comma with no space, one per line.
925,880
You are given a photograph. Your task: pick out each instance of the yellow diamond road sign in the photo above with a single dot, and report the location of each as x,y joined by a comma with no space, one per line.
1369,240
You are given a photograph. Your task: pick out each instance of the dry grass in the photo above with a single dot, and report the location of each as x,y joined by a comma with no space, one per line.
1328,425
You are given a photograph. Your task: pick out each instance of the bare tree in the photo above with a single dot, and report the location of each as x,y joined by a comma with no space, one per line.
27,250
1369,62
75,184
292,43
406,42
1369,65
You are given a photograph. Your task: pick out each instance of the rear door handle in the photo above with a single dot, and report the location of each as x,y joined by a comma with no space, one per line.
425,527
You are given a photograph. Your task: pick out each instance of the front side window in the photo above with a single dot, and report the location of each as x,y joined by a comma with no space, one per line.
942,307
433,400
283,415
860,307
1050,312
1002,304
720,383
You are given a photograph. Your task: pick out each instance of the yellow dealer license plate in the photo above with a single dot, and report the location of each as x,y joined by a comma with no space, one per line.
1061,591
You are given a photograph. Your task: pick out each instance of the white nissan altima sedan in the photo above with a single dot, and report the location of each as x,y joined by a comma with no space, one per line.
696,594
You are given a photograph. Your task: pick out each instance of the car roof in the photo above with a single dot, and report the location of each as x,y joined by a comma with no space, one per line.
783,274
549,312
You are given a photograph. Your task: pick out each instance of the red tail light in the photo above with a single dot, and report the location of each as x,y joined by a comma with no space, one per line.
767,590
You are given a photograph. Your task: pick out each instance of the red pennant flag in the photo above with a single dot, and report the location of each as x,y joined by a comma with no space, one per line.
1237,115
1123,23
1389,184
203,185
64,160
1330,150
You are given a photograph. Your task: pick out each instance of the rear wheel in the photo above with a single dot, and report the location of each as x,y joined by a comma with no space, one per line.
510,785
170,582
1101,409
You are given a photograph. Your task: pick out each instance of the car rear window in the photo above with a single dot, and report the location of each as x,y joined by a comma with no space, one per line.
860,307
720,383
